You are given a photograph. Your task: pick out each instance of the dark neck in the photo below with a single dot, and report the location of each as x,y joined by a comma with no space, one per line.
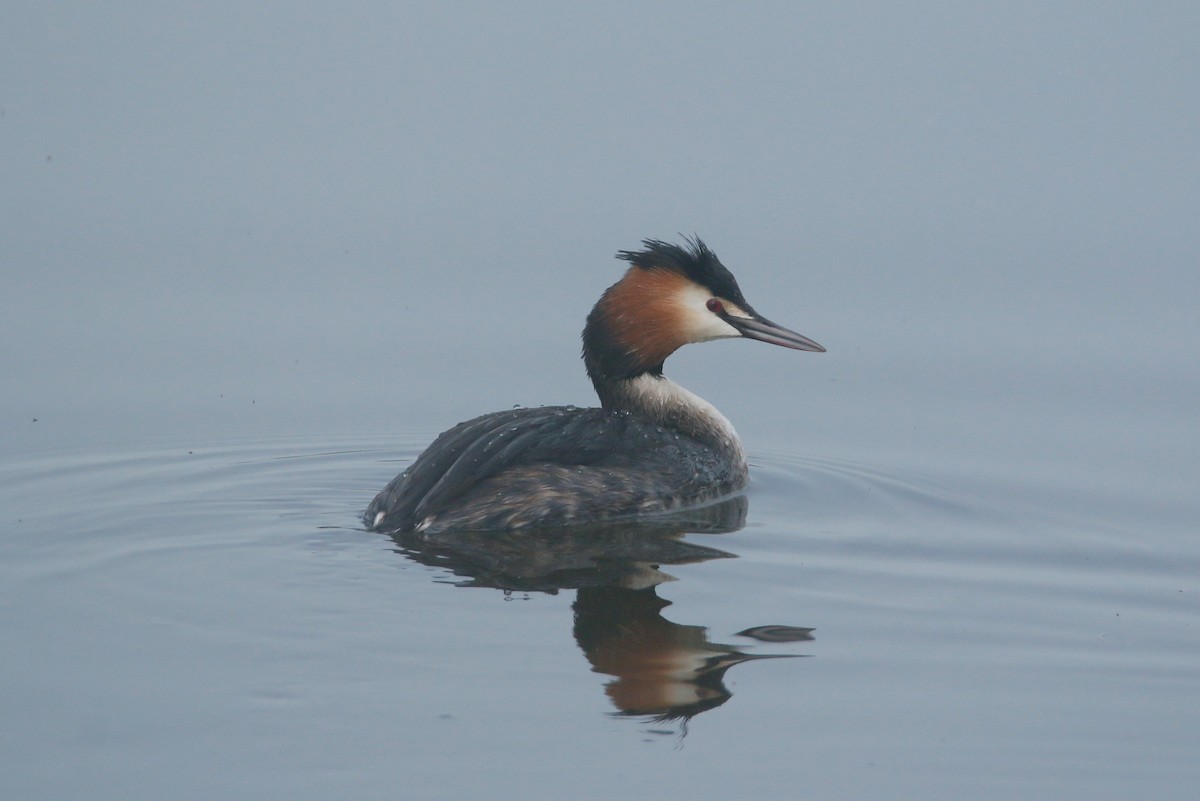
625,384
611,366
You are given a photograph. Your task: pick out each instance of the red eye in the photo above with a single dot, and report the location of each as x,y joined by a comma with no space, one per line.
715,306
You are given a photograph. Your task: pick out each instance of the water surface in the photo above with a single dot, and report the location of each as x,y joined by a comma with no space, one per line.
210,617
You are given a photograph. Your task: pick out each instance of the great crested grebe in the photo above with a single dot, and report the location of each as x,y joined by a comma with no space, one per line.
652,447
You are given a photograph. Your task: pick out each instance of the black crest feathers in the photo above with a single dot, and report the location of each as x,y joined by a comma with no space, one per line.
695,262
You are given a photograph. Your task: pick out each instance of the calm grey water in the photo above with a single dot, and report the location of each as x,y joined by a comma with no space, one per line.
204,616
253,258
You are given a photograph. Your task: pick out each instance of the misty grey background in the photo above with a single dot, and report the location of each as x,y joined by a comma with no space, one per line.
342,222
334,207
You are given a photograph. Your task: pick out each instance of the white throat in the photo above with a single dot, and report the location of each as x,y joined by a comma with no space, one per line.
665,401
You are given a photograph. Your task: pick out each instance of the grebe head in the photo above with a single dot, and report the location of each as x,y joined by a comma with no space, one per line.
671,296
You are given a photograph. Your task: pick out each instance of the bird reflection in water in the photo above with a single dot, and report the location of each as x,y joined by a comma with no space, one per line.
662,670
